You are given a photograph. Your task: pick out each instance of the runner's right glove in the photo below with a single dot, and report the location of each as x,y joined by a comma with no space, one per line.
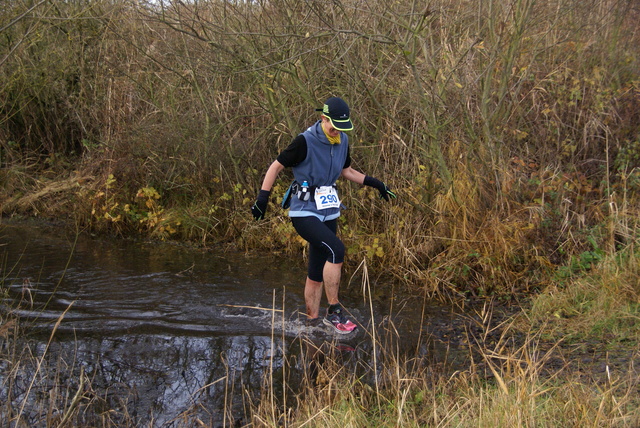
259,209
385,192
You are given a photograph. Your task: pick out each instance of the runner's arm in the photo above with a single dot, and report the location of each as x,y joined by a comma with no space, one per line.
353,175
270,177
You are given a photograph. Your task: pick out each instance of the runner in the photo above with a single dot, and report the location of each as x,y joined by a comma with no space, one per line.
318,157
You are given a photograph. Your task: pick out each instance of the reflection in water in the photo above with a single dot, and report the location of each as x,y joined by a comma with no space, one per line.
161,376
163,330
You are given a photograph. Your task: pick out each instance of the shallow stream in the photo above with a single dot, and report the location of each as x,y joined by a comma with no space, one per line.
163,330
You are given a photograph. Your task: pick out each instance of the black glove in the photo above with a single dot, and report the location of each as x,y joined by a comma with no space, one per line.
385,192
259,209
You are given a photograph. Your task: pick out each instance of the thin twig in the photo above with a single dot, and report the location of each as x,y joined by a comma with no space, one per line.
252,307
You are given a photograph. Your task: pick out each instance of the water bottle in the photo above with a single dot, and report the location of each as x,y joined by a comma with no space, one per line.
304,191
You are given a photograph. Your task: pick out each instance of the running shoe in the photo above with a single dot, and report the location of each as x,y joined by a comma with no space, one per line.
339,322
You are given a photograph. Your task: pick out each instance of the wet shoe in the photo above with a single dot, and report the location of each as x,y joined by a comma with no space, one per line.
338,321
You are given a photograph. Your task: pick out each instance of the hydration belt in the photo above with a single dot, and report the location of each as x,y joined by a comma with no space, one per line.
296,189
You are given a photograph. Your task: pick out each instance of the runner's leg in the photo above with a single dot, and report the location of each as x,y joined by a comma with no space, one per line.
331,275
312,297
326,254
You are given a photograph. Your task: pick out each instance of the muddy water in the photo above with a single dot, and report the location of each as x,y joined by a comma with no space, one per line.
165,331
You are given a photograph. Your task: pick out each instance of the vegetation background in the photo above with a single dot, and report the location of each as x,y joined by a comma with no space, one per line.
509,129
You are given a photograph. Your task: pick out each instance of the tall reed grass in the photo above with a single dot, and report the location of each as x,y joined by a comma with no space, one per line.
510,130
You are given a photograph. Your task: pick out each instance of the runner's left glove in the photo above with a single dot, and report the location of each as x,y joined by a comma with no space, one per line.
259,209
385,192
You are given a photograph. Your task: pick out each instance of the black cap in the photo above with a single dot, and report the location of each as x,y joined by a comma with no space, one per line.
337,111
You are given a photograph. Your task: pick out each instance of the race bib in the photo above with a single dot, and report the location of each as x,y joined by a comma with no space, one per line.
326,197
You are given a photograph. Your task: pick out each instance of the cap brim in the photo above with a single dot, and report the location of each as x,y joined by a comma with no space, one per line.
341,125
